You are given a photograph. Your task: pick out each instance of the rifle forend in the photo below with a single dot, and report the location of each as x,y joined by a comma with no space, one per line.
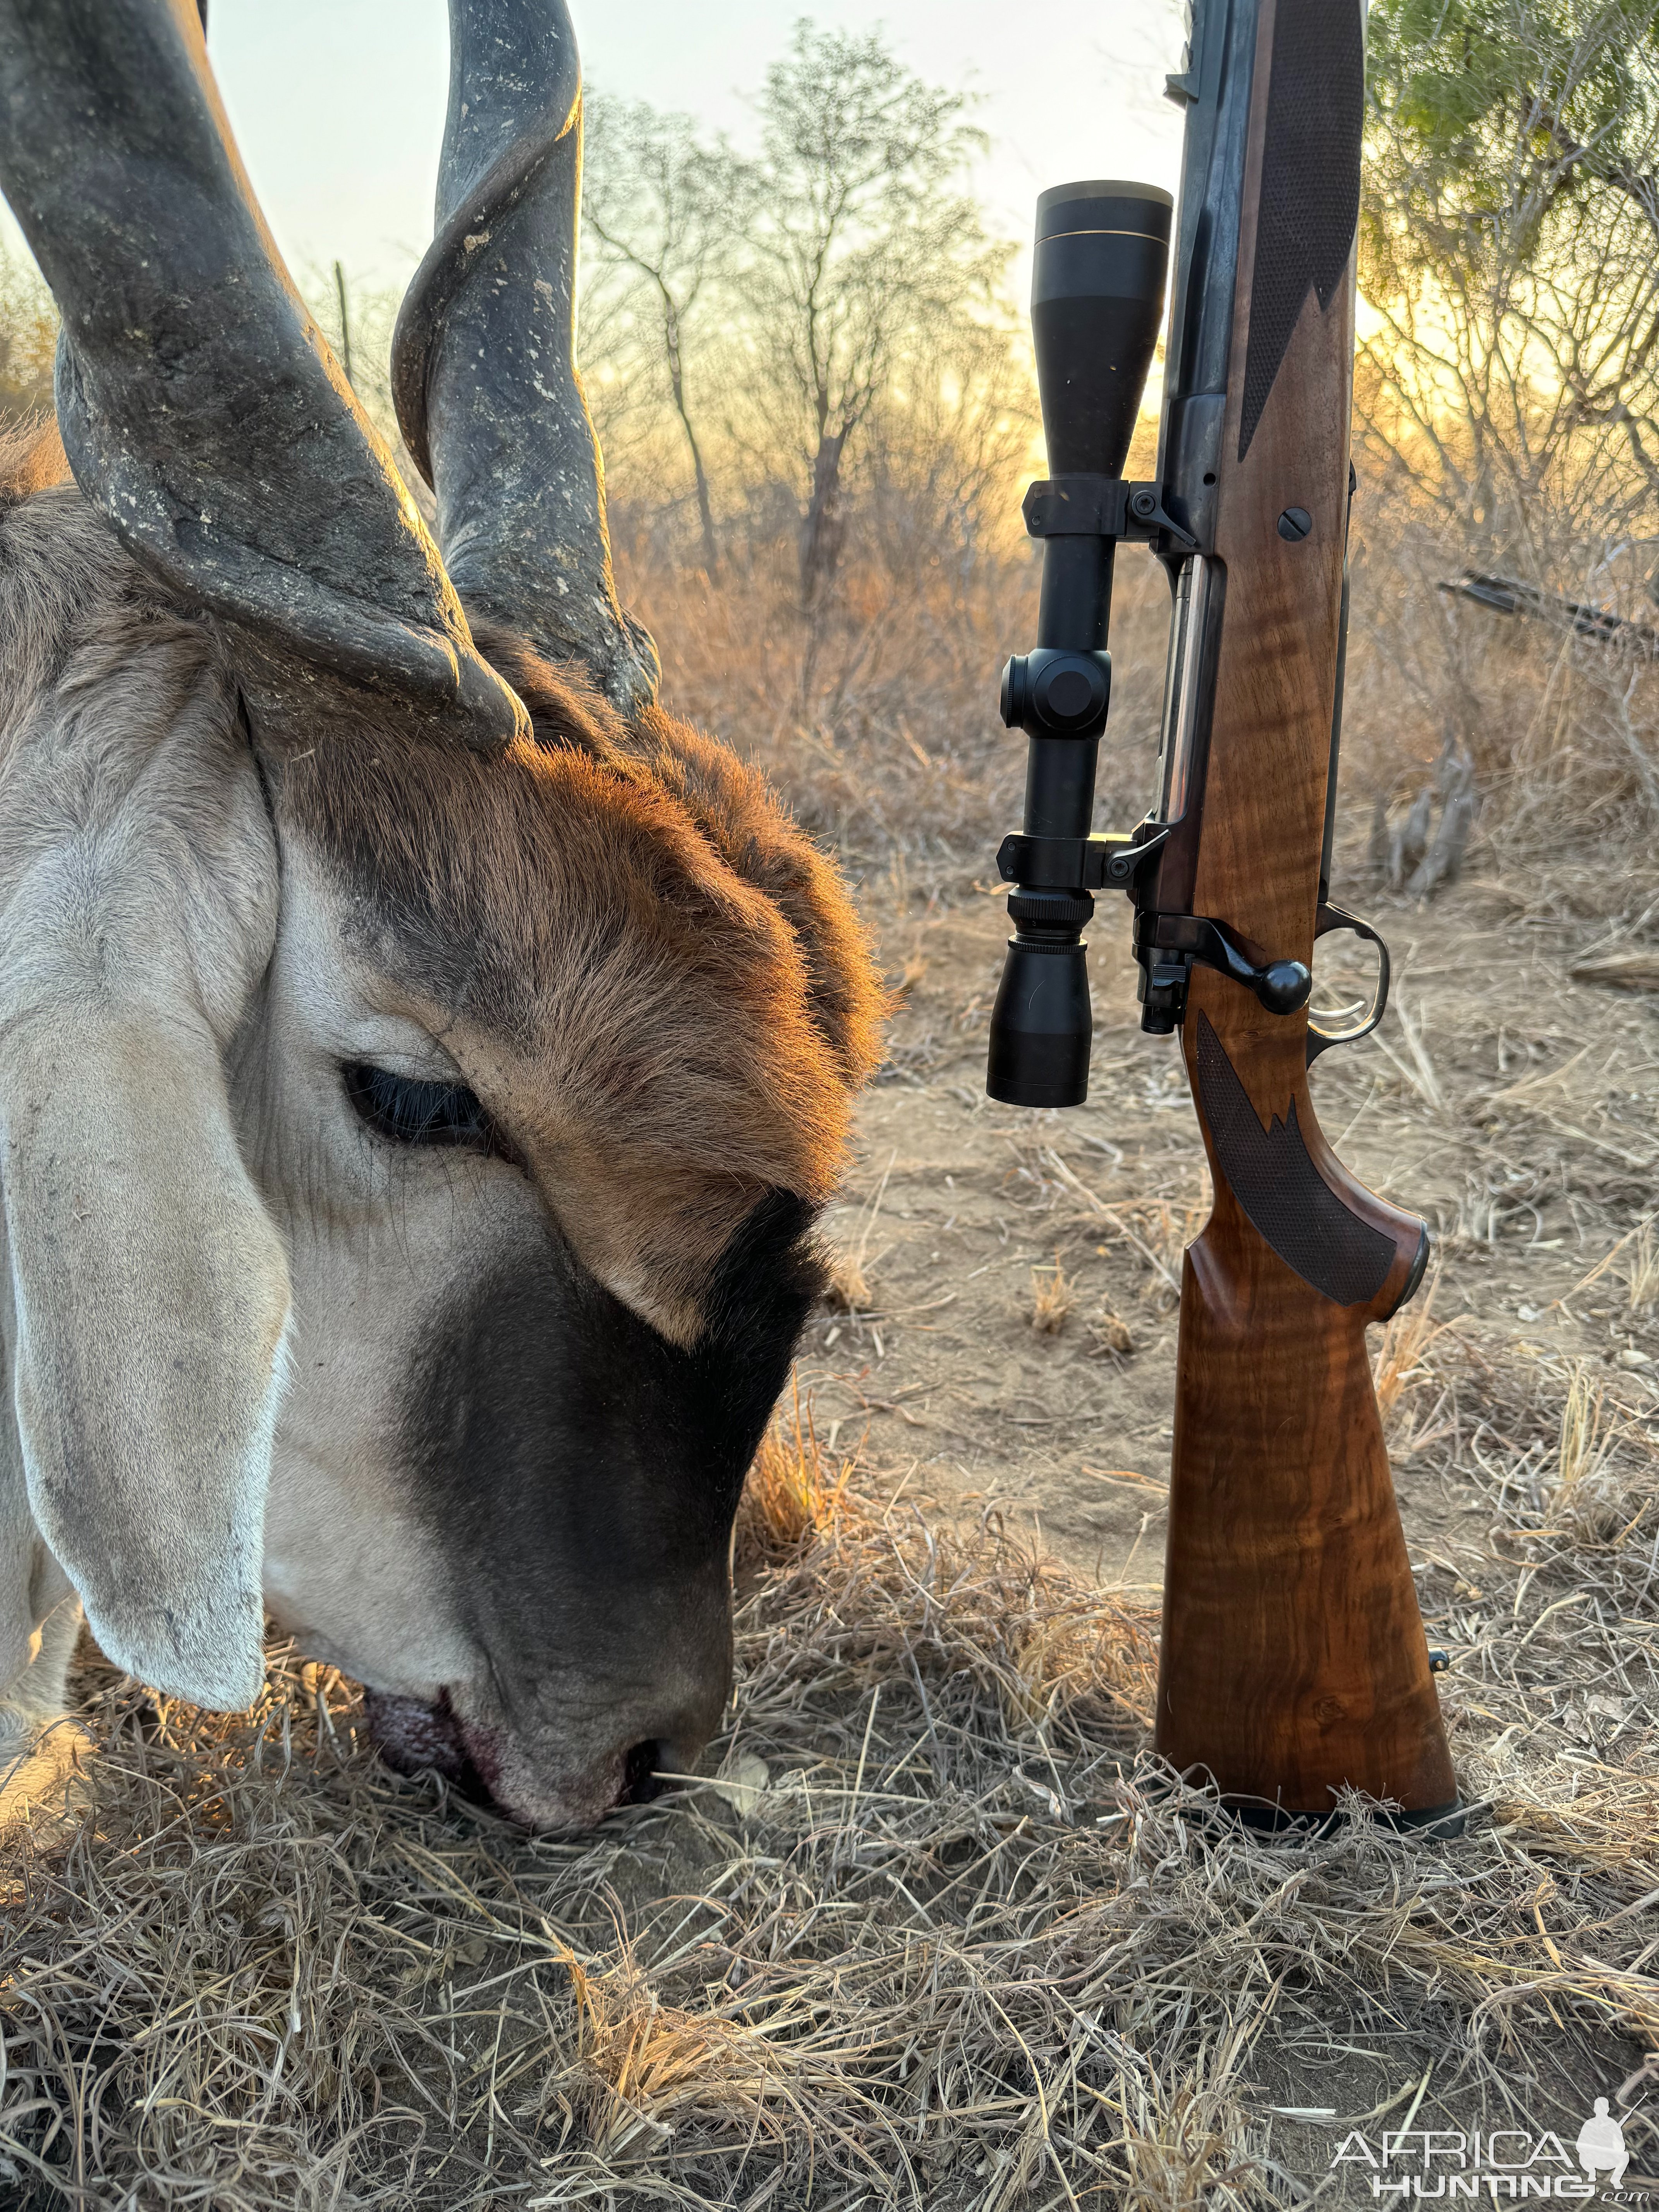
1294,1662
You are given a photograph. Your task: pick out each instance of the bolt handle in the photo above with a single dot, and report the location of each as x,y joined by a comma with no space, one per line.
1282,986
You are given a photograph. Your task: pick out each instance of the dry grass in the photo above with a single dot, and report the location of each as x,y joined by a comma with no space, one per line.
1051,1299
878,720
643,2069
1156,1228
1585,1444
29,334
849,1290
1110,1335
956,1940
1412,1371
1398,1359
791,1493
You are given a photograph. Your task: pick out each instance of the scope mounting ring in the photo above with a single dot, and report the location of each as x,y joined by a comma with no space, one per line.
1082,505
1107,860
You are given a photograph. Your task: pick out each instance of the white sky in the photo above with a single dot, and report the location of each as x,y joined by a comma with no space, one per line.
338,105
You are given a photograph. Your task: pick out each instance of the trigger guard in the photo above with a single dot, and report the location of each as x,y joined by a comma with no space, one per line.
1328,919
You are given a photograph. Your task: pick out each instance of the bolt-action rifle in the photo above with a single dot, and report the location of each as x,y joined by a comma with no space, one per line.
1293,1659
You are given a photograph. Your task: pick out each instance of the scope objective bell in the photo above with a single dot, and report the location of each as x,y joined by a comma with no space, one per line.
1041,1026
1097,275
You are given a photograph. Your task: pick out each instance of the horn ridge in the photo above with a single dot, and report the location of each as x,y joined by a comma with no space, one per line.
443,268
200,409
484,365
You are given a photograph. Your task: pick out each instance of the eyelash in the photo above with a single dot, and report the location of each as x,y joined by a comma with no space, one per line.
403,1112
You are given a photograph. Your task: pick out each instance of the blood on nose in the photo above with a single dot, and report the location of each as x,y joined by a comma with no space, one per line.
645,1770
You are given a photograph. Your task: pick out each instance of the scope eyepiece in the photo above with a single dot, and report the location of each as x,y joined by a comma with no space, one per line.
1102,250
1041,1025
1052,693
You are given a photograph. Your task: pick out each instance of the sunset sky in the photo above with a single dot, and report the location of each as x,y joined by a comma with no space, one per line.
339,104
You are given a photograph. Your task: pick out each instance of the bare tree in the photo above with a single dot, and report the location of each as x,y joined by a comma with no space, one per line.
862,251
658,209
357,320
1510,220
1508,388
944,449
342,295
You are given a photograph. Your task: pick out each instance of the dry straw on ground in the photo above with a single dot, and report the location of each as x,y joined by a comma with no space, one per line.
1110,1335
793,1493
954,1939
1051,1299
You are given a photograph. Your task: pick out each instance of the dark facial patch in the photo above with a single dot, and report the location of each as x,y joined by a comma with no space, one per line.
582,1474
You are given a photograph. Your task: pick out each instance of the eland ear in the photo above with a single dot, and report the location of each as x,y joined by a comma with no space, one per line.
150,1292
150,1302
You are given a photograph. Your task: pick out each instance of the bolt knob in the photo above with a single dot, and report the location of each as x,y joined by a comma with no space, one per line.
1284,986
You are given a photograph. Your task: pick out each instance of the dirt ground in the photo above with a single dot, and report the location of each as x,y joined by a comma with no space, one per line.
1510,1105
934,1928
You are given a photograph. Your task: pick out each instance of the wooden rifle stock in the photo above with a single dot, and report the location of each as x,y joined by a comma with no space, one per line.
1294,1661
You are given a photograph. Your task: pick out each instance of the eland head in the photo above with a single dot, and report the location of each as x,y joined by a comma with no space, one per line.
421,1059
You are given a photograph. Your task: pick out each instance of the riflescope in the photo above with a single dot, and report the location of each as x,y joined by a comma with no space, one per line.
1102,256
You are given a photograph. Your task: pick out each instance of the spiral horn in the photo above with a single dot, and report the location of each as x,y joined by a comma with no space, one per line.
199,406
484,356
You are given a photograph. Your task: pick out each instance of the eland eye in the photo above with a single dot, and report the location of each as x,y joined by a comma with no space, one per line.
405,1112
